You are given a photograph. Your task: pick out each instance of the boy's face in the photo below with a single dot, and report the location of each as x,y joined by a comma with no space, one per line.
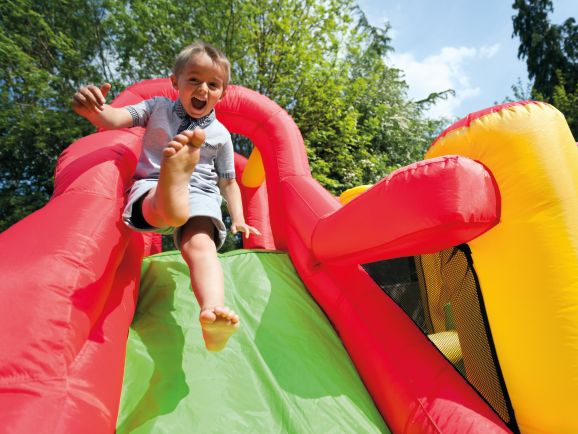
201,84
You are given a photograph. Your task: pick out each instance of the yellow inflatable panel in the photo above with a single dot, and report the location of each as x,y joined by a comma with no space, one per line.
527,265
449,344
254,172
350,194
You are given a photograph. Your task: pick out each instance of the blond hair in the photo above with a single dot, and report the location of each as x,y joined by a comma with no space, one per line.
188,53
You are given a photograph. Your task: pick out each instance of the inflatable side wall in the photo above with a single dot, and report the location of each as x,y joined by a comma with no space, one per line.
70,275
528,264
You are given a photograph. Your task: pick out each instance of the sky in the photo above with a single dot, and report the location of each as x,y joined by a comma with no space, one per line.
465,45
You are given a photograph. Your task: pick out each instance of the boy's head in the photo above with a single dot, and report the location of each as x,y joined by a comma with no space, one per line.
189,53
201,74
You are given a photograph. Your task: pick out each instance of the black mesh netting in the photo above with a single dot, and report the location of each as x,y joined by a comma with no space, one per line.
440,292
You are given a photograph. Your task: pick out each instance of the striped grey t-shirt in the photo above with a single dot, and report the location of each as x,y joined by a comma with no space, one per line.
163,118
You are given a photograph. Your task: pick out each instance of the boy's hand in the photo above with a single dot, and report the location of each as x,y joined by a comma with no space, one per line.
89,100
244,227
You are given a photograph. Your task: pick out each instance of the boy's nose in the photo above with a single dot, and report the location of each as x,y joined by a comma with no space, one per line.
203,87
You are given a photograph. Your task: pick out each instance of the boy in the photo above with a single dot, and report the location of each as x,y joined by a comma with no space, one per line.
185,165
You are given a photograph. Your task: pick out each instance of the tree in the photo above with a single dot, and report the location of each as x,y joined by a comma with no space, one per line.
46,51
372,127
320,60
307,56
551,53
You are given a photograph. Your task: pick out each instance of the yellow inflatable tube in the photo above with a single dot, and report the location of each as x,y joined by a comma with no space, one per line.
528,264
254,173
350,194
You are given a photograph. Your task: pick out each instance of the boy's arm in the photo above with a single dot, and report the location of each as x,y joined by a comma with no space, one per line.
89,102
232,194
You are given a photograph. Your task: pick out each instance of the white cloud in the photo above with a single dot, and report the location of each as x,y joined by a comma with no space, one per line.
444,70
489,52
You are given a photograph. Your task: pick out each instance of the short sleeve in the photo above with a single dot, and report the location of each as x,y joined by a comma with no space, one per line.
225,161
141,112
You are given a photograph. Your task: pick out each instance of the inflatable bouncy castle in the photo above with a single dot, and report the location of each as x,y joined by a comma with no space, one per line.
443,299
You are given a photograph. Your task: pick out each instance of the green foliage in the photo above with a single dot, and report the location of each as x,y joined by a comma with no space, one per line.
320,60
551,54
46,50
563,100
359,124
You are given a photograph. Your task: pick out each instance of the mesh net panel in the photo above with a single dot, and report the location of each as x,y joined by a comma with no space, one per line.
440,293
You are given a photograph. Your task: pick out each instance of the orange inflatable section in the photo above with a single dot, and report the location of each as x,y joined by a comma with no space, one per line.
70,273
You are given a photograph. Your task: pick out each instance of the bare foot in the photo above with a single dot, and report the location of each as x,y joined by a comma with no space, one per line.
218,325
169,202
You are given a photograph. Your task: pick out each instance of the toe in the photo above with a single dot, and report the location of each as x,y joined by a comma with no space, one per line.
172,148
221,311
182,138
169,151
198,137
174,145
188,134
229,314
207,316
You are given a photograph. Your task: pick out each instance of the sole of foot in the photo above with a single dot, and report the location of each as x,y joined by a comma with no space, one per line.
218,325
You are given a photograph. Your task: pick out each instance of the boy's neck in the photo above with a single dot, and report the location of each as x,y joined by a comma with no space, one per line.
190,122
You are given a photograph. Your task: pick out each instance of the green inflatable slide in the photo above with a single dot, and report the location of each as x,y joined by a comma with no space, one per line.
285,371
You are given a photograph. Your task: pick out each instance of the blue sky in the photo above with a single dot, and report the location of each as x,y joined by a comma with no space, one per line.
465,45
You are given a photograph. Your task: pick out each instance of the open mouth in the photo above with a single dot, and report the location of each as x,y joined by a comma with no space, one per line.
198,104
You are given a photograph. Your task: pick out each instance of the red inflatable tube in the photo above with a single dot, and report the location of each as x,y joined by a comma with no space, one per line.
68,293
446,201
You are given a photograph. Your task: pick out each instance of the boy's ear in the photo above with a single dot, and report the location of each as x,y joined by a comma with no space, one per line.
174,81
223,94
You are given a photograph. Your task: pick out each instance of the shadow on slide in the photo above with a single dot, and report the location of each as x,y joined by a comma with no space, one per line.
285,370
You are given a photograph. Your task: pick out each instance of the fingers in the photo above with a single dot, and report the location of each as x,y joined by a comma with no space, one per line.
250,230
104,89
246,229
247,232
91,97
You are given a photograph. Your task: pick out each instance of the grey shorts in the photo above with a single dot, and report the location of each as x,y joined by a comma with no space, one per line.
201,204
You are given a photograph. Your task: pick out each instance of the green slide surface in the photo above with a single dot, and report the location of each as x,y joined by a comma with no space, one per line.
285,371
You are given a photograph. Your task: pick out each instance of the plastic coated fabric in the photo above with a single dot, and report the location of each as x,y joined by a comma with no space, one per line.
285,371
69,279
527,265
407,378
64,271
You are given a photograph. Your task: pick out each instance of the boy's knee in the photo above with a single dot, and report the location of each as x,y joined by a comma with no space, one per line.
158,217
198,235
177,219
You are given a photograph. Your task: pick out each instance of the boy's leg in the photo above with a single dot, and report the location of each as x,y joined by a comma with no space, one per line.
200,253
168,203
